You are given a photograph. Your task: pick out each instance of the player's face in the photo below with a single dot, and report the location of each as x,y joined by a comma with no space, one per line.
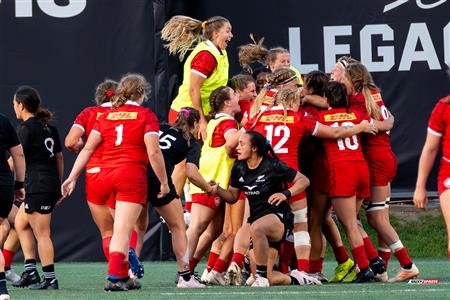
249,92
18,108
234,102
223,36
195,129
244,148
283,60
261,80
337,73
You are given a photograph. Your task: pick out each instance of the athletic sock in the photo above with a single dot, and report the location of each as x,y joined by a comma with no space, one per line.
286,250
360,257
341,255
49,272
213,256
220,266
303,264
117,266
30,266
238,258
315,265
185,274
370,249
403,258
261,271
193,263
448,254
105,245
9,256
133,239
3,289
385,254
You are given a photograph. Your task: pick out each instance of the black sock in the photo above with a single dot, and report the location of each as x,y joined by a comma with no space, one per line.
7,268
261,271
185,274
408,266
30,266
49,272
3,289
294,281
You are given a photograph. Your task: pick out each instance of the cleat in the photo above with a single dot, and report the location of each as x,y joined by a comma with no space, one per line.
216,278
351,276
4,297
383,277
135,265
11,276
234,274
27,279
365,275
192,283
244,276
319,276
303,278
203,278
45,285
119,286
405,274
377,265
260,282
250,280
132,284
341,270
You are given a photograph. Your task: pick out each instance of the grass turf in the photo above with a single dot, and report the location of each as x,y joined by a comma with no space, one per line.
85,281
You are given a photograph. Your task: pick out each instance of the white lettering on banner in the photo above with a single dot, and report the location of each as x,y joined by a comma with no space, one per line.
419,3
24,8
418,37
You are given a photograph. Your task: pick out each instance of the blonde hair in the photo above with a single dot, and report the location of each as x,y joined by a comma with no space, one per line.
183,33
362,82
277,79
105,91
285,97
131,87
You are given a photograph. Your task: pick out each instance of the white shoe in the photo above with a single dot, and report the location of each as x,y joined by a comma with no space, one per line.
303,278
319,276
250,280
203,278
216,278
4,297
11,276
234,274
190,284
260,282
405,274
383,277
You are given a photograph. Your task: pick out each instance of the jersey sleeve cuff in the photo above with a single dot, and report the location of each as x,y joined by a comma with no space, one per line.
151,133
316,128
199,73
96,132
79,126
433,132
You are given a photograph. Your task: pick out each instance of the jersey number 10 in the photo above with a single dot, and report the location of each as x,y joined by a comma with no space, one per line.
350,143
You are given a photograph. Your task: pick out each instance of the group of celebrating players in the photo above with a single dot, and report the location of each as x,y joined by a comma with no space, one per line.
263,160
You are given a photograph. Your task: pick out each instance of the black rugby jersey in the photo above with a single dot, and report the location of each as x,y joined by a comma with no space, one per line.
40,144
8,139
260,183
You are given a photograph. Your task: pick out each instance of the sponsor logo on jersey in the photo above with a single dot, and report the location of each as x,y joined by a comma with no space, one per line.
250,188
261,178
98,115
241,179
122,115
277,118
377,97
251,193
340,117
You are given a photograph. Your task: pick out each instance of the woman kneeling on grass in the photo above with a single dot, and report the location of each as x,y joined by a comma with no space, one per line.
263,179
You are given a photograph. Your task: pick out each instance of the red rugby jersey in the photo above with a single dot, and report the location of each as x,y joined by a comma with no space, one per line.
438,125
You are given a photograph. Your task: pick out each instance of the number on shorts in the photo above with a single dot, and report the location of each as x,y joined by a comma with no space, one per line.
278,148
165,141
348,142
119,130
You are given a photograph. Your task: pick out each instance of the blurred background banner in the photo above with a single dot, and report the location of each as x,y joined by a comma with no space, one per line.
65,48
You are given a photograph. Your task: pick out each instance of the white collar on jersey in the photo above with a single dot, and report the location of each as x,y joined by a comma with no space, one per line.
106,104
211,44
279,108
222,115
132,103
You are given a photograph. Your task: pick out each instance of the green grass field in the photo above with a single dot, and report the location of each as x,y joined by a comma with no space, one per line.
85,281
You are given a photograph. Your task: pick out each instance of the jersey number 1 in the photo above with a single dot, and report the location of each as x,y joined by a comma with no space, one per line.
278,148
349,142
119,130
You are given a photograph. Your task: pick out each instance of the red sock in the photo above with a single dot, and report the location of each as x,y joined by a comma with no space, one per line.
403,257
286,251
341,254
303,264
220,265
315,265
238,258
9,256
105,245
133,239
370,249
188,206
448,254
213,256
117,266
193,263
360,257
385,254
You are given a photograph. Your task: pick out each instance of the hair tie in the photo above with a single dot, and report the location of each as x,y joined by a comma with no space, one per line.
204,24
186,112
344,63
110,94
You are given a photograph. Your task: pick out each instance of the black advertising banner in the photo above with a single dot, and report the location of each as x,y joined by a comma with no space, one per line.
64,48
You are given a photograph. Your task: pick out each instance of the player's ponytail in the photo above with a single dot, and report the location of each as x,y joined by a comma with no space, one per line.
105,91
31,101
218,98
262,145
132,87
286,97
187,116
336,94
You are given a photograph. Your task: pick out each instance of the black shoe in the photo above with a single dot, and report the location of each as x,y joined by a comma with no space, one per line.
177,277
27,279
45,284
119,286
377,265
364,275
132,284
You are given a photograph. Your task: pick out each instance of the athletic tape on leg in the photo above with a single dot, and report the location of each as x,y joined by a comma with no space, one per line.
397,245
300,215
388,199
370,206
301,238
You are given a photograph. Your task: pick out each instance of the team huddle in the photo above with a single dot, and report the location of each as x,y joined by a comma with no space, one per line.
263,162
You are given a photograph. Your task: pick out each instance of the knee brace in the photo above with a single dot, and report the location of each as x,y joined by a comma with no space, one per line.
301,238
301,215
373,206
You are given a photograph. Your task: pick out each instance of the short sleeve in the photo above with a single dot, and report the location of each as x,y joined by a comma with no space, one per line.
203,64
82,119
310,125
286,173
25,136
151,124
436,123
193,155
234,177
10,138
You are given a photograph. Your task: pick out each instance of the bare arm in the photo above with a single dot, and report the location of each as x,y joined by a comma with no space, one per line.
73,140
157,162
300,183
426,162
196,178
327,132
230,196
18,159
196,82
315,100
232,140
385,125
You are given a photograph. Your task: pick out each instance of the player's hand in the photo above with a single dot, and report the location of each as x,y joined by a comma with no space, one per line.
60,200
19,194
420,198
276,199
368,128
67,187
214,186
202,129
164,190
